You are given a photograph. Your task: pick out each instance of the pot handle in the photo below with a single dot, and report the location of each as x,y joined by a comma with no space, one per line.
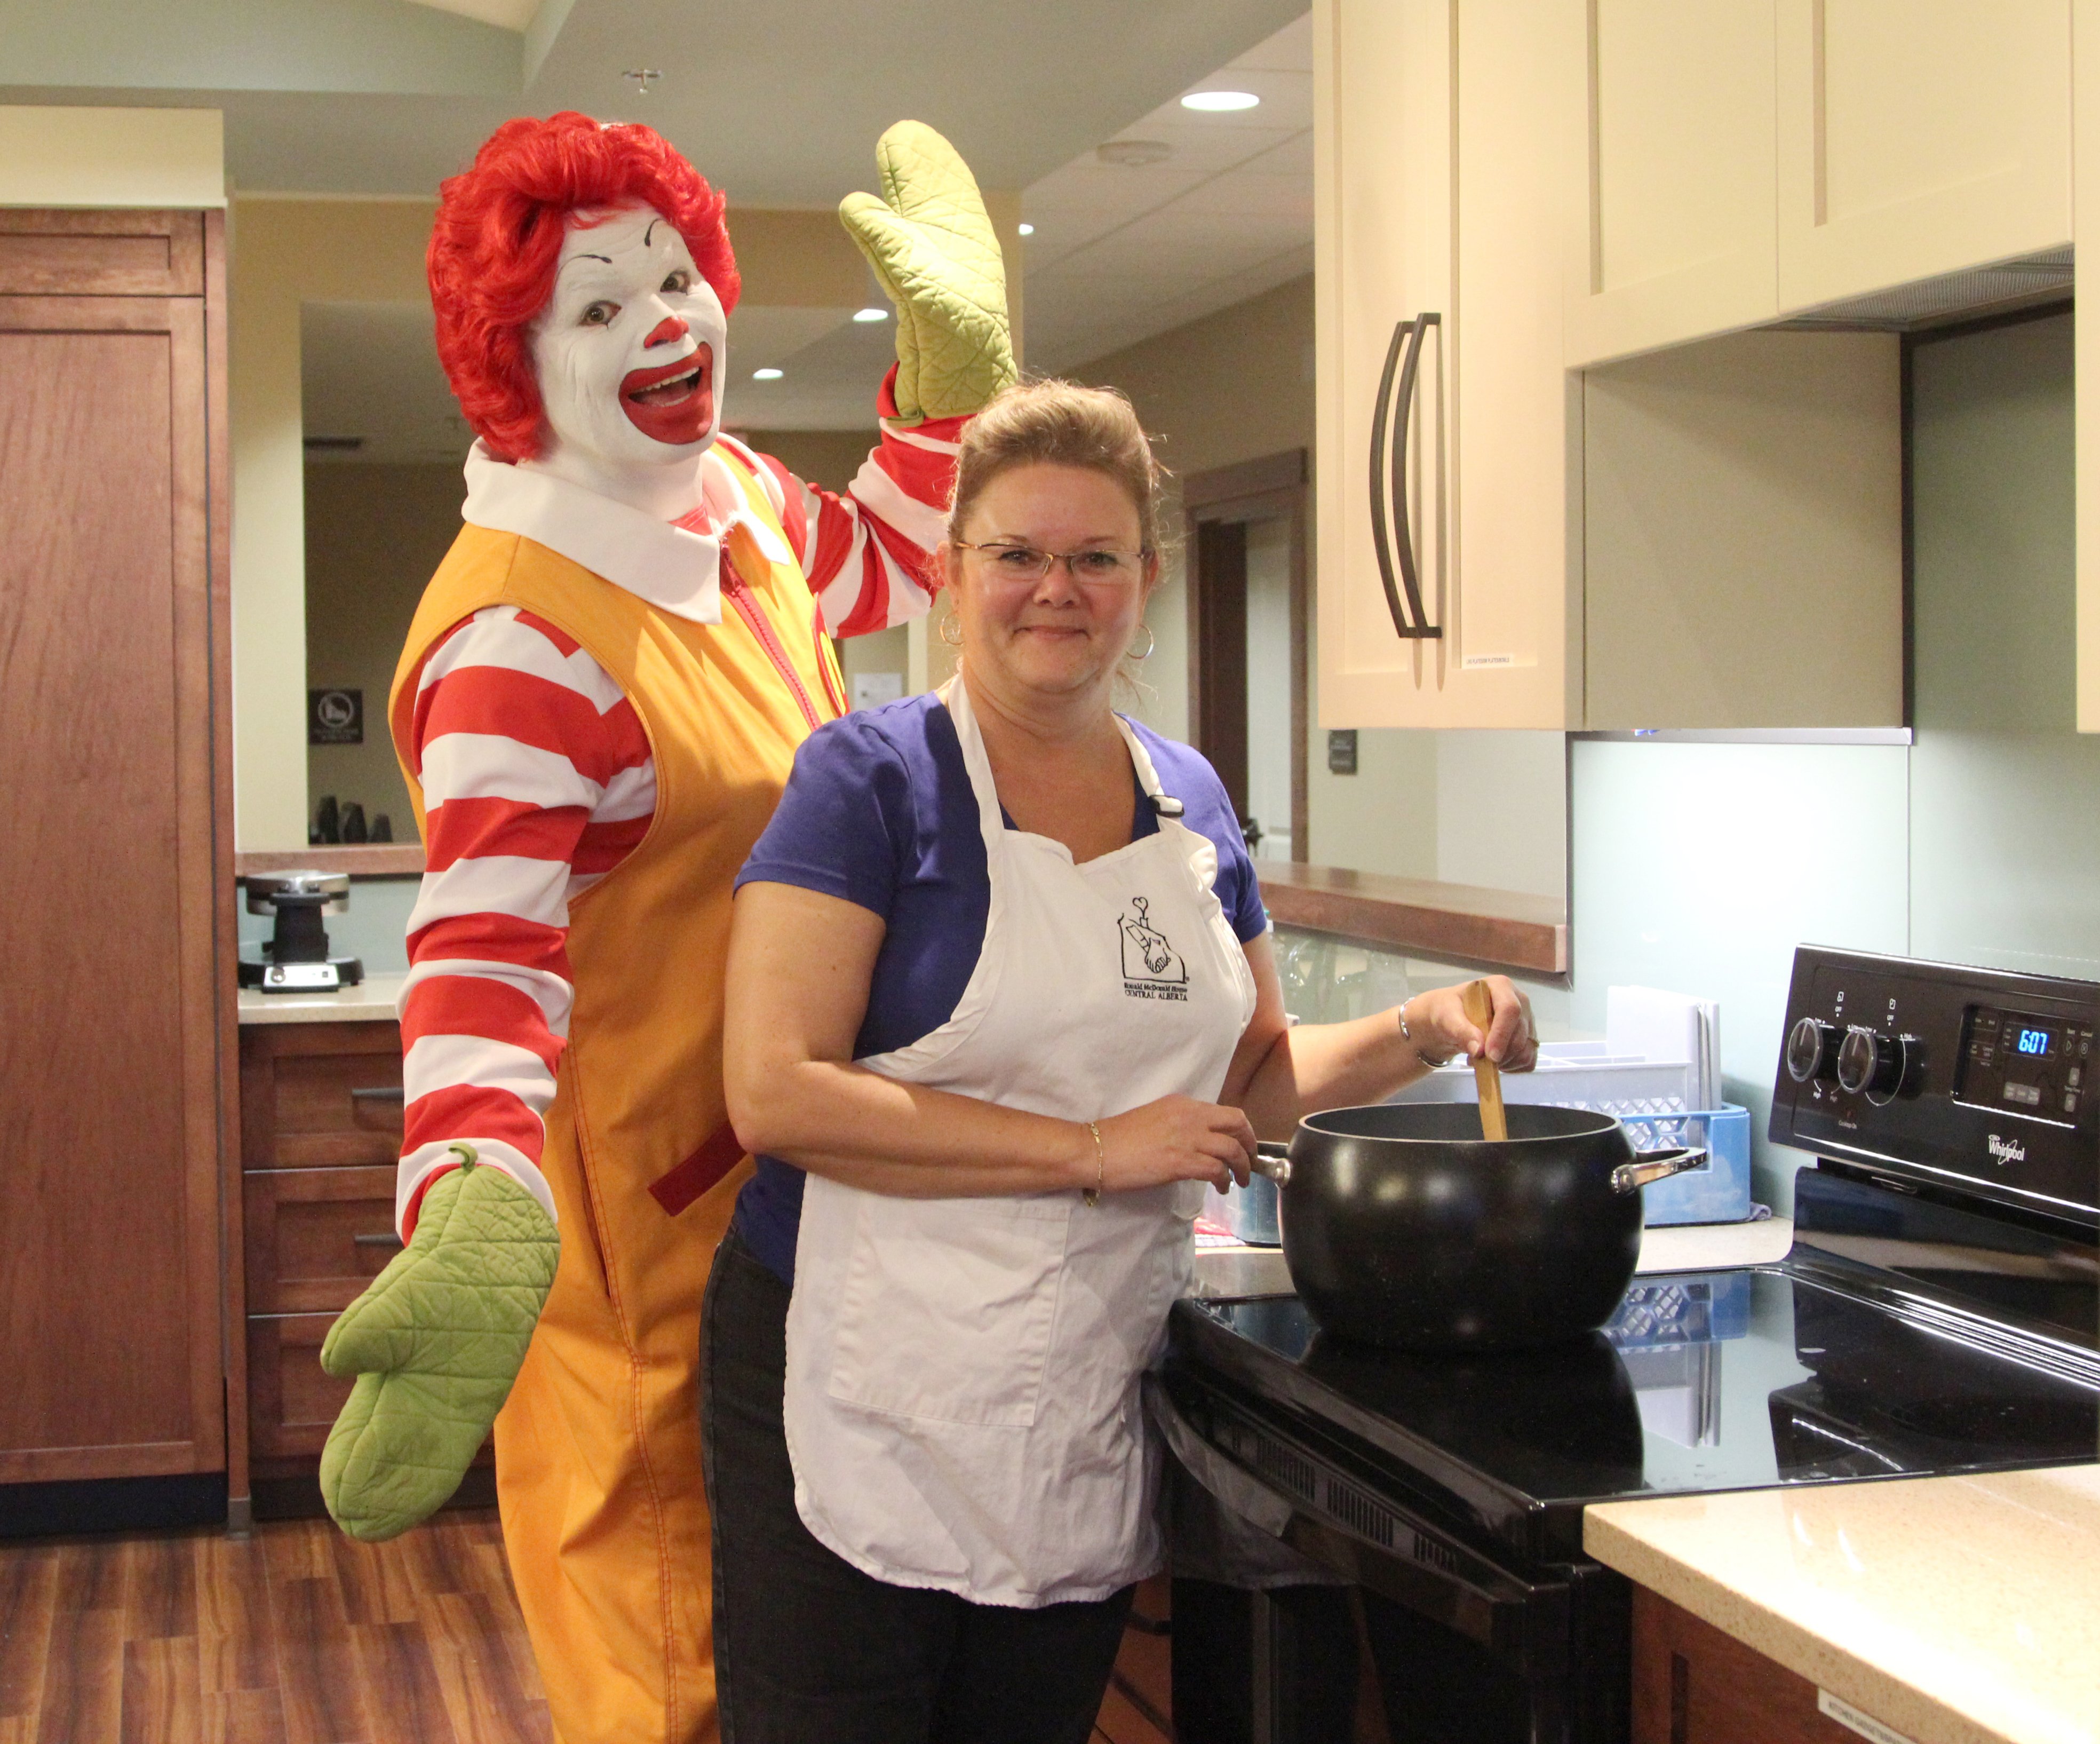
1273,1161
1651,1166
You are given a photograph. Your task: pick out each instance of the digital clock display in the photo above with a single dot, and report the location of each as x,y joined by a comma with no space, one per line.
2035,1042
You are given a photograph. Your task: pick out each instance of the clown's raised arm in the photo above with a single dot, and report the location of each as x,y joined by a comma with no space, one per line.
601,697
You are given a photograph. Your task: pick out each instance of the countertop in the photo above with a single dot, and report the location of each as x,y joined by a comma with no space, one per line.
371,1000
1505,929
1954,1610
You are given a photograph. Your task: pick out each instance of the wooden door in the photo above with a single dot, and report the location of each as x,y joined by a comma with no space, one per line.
1674,222
1220,508
1440,144
111,936
1916,138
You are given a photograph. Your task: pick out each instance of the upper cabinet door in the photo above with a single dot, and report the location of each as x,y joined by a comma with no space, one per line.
1674,201
1442,131
1917,137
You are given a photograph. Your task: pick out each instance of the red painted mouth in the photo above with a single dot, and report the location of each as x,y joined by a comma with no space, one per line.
672,403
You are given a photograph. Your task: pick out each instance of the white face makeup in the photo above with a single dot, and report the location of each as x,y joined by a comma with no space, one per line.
629,353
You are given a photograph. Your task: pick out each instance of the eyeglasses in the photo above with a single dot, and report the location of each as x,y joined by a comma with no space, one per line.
1024,562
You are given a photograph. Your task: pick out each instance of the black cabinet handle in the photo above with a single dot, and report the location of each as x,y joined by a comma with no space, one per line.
391,1094
1402,357
375,1239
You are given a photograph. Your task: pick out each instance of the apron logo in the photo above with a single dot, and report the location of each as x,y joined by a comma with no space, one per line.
1152,969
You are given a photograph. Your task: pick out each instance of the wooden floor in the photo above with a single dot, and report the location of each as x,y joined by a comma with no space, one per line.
298,1636
301,1635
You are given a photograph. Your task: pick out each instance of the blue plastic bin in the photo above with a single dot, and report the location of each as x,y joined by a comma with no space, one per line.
1717,1192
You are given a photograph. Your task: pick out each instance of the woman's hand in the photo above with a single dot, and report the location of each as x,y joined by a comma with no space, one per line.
1441,1029
1176,1138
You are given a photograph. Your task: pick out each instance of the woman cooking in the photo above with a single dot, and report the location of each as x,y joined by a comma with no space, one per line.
1000,982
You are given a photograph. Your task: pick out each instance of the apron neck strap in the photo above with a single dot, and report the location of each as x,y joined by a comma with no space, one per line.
955,697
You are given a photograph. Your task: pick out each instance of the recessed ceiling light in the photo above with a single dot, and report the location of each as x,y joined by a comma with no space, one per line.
1220,100
1134,154
766,374
1028,230
871,314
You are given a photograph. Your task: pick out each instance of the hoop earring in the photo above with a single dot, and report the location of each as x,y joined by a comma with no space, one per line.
952,630
1151,643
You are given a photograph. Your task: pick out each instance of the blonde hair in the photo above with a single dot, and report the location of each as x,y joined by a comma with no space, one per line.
1057,423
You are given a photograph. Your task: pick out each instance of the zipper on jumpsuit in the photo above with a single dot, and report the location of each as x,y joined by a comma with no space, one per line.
753,614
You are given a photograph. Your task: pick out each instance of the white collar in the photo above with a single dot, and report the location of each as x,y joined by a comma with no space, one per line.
673,568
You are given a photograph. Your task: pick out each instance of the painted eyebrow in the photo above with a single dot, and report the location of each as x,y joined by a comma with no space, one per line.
650,231
574,258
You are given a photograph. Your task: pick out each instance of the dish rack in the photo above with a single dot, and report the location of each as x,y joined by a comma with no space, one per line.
1650,1097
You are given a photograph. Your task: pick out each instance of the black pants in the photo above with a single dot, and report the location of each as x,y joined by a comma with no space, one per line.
809,1649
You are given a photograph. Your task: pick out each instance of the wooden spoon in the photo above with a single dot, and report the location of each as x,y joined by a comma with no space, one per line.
1481,1010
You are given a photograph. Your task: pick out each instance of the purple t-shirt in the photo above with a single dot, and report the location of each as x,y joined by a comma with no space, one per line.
880,812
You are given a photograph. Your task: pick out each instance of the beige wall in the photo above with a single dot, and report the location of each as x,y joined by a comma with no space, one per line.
373,535
63,156
284,253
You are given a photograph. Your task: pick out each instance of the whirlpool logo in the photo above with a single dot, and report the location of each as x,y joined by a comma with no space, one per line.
2007,1150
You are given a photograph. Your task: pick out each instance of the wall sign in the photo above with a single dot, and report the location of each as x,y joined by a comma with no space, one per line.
335,717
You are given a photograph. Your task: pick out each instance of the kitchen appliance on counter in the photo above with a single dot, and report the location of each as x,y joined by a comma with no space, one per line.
1939,1311
295,956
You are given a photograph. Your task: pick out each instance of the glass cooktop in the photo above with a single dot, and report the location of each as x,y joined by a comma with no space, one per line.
1723,1380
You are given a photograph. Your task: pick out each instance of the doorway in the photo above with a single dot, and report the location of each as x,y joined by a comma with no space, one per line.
1250,589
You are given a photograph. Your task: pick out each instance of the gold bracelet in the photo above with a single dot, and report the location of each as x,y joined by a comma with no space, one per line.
1093,1195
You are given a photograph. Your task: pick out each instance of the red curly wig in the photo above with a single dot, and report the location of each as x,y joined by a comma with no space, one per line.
498,237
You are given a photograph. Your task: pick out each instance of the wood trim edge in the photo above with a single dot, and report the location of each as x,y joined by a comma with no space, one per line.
377,860
1509,930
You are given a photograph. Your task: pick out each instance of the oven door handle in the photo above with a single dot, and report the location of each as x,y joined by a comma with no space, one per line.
1356,1536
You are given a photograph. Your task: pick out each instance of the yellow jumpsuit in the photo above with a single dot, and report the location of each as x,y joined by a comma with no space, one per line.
597,1451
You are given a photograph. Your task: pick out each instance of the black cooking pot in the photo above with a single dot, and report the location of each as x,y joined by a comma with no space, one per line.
1402,1226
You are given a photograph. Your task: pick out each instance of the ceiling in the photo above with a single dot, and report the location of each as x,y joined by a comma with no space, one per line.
779,101
1121,254
778,105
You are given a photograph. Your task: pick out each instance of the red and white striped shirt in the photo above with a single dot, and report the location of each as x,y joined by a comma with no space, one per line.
538,779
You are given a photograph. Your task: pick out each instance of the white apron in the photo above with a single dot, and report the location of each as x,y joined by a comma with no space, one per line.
962,1399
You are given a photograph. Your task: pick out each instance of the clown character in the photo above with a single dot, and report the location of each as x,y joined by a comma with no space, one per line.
601,695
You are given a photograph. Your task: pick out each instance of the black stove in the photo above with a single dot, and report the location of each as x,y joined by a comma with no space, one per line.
1938,1312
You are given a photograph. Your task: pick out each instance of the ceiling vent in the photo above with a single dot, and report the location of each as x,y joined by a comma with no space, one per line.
1134,154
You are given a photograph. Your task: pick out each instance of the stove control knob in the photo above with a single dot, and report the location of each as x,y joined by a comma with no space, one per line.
1871,1062
1812,1051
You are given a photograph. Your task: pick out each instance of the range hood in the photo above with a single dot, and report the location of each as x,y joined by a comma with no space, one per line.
1997,290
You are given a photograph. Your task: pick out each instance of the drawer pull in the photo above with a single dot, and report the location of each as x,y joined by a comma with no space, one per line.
378,1239
379,1107
1403,356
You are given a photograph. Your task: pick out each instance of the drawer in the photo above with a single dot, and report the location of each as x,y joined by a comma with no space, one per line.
315,1237
292,1402
321,1096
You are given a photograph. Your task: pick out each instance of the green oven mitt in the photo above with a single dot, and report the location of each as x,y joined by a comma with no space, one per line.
435,1342
935,251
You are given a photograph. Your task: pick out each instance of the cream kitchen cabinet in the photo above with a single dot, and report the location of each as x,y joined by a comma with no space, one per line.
1673,216
1447,495
1917,137
2086,22
1744,162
